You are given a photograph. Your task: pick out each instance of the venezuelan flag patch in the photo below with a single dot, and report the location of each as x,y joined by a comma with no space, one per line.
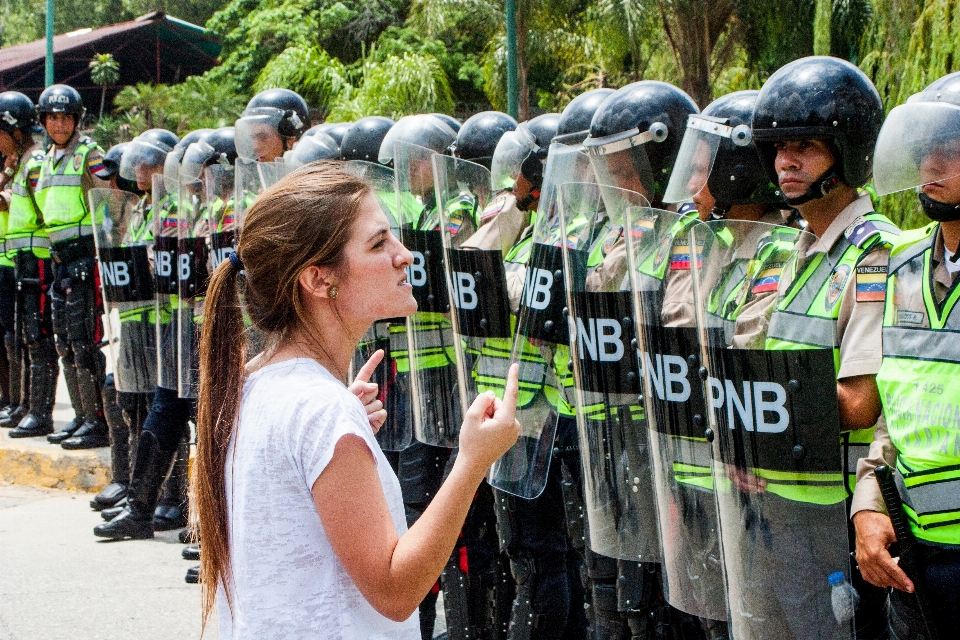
680,255
640,227
767,280
871,284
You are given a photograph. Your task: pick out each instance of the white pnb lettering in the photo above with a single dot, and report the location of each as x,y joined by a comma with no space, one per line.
752,405
117,274
184,261
219,255
465,289
537,289
417,272
668,374
601,337
163,263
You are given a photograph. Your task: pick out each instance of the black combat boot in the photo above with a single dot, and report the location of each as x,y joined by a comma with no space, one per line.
171,512
19,383
136,520
73,391
44,372
94,432
119,450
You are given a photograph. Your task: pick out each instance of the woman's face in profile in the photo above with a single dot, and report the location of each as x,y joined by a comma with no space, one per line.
375,286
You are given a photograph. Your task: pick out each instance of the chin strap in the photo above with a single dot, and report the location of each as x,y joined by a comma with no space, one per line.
719,211
939,211
820,187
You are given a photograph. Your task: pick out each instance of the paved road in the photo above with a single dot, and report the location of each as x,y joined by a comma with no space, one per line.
59,582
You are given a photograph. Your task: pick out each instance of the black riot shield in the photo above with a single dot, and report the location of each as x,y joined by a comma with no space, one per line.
773,422
660,256
193,274
123,235
166,225
432,354
541,340
476,279
611,422
392,375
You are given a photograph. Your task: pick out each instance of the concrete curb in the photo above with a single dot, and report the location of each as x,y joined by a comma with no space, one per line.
36,462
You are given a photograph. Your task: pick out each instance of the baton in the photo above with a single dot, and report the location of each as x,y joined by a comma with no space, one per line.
909,547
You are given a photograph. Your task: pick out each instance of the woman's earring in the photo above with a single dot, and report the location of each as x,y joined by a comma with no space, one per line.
332,293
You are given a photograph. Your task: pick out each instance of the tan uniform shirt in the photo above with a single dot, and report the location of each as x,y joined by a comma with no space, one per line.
867,496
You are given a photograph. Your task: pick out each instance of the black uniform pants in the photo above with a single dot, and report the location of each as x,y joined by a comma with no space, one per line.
942,575
169,418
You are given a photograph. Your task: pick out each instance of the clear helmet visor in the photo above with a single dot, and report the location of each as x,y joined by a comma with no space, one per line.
257,137
564,164
142,159
623,166
919,146
698,151
423,130
171,165
196,157
512,149
308,149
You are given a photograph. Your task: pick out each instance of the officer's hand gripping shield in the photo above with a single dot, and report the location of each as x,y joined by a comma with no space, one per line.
196,223
660,253
124,239
919,144
773,423
431,364
476,280
165,225
394,388
618,487
541,344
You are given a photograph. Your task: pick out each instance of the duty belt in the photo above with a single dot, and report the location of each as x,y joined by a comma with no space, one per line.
27,242
63,235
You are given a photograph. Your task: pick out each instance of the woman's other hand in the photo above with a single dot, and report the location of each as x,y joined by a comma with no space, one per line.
369,392
490,426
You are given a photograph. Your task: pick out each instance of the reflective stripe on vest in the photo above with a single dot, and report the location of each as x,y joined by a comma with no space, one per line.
23,223
919,383
59,191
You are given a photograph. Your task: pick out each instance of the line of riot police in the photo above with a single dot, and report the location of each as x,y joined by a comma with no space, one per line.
696,301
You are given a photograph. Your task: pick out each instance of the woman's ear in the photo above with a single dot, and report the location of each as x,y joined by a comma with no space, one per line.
316,282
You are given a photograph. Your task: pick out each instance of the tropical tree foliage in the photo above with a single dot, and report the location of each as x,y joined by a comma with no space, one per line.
104,71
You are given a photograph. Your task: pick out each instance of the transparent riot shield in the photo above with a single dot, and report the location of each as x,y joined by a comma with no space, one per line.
476,281
193,274
273,172
618,484
123,237
166,226
432,354
659,255
541,343
773,422
392,375
248,185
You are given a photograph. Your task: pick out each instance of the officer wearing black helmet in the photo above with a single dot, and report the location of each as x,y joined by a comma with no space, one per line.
364,139
478,136
335,130
311,148
815,124
270,125
20,221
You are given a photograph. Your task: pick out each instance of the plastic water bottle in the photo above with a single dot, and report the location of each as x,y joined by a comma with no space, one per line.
843,597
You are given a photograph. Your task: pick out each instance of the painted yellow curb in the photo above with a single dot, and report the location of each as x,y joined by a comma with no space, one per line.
36,462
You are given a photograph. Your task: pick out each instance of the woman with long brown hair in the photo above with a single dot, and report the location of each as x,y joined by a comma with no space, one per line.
301,516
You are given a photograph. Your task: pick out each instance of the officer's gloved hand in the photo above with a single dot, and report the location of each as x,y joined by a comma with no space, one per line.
369,392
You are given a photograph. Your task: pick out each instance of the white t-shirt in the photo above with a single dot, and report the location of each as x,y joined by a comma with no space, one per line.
288,583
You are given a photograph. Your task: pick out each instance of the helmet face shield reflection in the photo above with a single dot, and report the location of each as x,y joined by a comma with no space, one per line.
195,158
512,149
627,168
919,145
140,160
698,153
257,136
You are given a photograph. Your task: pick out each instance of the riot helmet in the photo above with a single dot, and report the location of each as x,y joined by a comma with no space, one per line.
141,159
111,159
318,146
635,136
60,98
478,136
919,148
363,139
452,122
171,166
162,136
519,158
422,130
217,146
17,113
576,116
718,153
334,130
272,120
820,98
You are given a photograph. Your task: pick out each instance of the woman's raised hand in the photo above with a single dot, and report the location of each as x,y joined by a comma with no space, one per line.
490,426
368,392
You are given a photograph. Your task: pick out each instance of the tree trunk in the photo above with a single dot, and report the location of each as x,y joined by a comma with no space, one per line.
692,29
103,97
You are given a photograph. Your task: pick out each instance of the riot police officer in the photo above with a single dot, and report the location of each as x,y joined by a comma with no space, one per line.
270,125
363,140
23,223
918,147
815,124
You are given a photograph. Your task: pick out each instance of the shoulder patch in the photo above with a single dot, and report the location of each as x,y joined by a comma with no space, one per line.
861,232
494,208
871,284
681,254
768,280
835,286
